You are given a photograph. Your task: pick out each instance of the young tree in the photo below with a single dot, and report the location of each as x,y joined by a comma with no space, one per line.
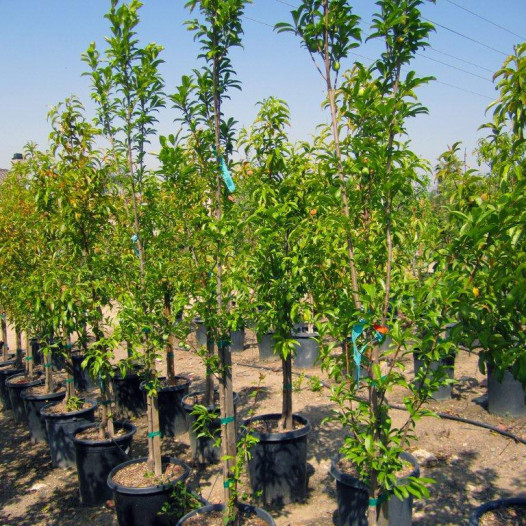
279,209
374,176
127,87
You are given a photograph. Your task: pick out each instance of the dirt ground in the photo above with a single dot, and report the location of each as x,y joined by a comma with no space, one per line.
470,465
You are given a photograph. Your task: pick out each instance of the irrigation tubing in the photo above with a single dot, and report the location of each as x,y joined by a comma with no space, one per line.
444,416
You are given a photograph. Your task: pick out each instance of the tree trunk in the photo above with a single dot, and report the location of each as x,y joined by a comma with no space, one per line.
228,424
18,347
286,413
29,358
170,344
5,347
154,437
106,429
48,362
209,380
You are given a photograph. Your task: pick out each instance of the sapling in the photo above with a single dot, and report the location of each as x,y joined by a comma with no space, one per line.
128,90
218,30
375,173
280,231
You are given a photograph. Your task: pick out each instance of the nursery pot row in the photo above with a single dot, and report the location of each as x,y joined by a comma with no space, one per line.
15,385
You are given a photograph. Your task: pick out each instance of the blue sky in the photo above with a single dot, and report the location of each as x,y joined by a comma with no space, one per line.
42,41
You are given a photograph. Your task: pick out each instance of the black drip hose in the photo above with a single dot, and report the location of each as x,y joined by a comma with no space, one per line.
444,416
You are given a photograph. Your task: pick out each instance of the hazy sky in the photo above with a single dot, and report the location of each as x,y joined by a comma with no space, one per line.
42,40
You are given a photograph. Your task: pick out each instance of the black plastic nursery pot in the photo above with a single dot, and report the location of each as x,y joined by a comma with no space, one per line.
353,498
59,428
519,503
5,373
96,458
129,398
237,340
265,346
81,376
278,464
33,404
445,391
243,508
172,416
308,351
203,449
15,388
200,332
142,506
506,395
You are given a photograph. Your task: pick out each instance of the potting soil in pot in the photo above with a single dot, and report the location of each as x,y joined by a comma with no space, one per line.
139,476
215,518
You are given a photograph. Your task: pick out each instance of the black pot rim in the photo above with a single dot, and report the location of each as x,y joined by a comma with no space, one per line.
44,396
9,362
171,388
131,430
294,434
38,381
353,482
126,490
213,407
11,371
93,405
478,512
220,507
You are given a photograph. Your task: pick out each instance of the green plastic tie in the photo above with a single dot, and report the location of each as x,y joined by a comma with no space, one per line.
170,354
288,387
373,502
228,483
28,358
227,420
221,344
154,434
70,380
69,346
48,365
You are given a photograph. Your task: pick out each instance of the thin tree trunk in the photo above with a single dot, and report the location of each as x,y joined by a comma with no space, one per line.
286,413
209,380
29,358
154,439
18,347
5,347
228,424
170,344
48,362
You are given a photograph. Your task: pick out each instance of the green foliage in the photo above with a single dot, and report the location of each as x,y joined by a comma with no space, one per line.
180,502
74,403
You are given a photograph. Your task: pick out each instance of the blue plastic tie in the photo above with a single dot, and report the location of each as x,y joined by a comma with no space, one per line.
357,353
226,175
